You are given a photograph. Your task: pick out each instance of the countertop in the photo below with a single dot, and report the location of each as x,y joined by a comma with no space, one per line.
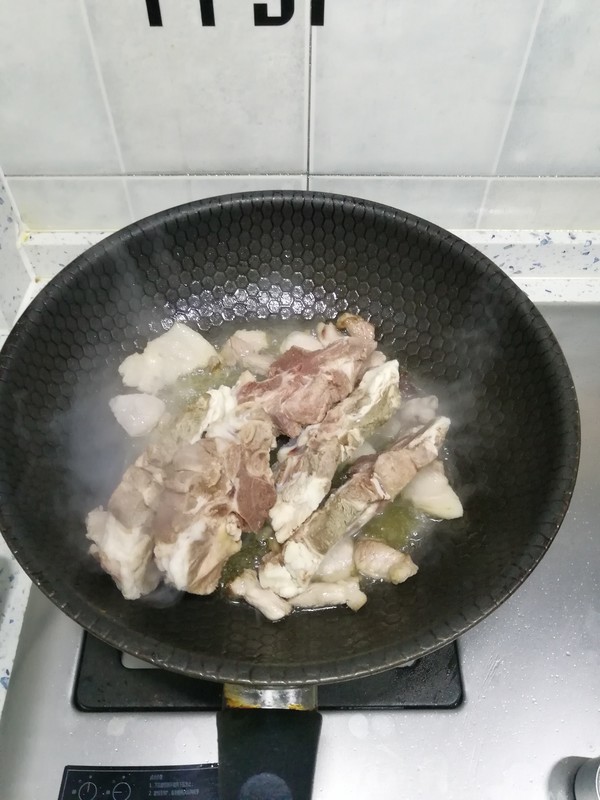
551,267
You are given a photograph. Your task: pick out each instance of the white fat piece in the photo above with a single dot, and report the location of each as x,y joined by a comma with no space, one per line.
378,560
431,492
273,575
244,348
166,358
126,554
301,562
301,339
137,414
247,587
241,344
338,562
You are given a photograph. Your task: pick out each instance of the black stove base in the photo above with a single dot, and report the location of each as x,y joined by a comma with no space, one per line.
104,684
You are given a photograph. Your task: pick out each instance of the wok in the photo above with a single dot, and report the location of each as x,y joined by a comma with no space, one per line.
458,324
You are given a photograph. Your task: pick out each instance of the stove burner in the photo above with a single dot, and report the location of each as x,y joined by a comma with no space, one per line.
104,684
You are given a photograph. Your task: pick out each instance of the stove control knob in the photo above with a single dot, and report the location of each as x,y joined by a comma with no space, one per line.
587,780
122,791
87,791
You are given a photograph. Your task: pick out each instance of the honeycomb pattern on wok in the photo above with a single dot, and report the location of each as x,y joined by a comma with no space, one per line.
451,317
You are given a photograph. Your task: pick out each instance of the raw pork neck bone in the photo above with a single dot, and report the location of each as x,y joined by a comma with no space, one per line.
302,385
306,469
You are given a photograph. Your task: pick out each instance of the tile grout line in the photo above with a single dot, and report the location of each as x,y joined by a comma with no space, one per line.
104,94
511,111
309,114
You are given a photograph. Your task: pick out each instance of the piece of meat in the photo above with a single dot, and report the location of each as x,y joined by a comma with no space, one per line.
172,431
322,595
255,490
204,477
214,489
166,358
143,503
126,554
252,490
374,482
412,413
375,559
338,562
134,500
328,333
246,587
194,559
306,469
376,359
431,492
137,413
245,348
275,576
302,386
355,326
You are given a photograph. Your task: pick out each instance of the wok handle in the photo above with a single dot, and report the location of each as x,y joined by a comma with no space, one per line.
267,754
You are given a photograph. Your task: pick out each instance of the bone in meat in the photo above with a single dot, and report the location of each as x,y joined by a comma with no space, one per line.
305,472
246,587
217,487
376,481
127,530
302,386
319,595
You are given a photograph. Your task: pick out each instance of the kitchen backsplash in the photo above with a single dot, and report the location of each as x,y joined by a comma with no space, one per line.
15,270
470,113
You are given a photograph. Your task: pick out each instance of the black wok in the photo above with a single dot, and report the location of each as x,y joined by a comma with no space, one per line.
458,324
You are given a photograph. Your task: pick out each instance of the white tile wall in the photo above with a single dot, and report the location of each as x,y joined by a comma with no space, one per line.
57,203
555,128
108,203
415,88
53,119
187,98
449,202
568,203
150,194
106,119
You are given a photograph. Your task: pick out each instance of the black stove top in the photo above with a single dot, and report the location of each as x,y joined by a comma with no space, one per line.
104,684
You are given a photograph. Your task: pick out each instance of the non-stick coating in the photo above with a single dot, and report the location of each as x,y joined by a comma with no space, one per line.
450,316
